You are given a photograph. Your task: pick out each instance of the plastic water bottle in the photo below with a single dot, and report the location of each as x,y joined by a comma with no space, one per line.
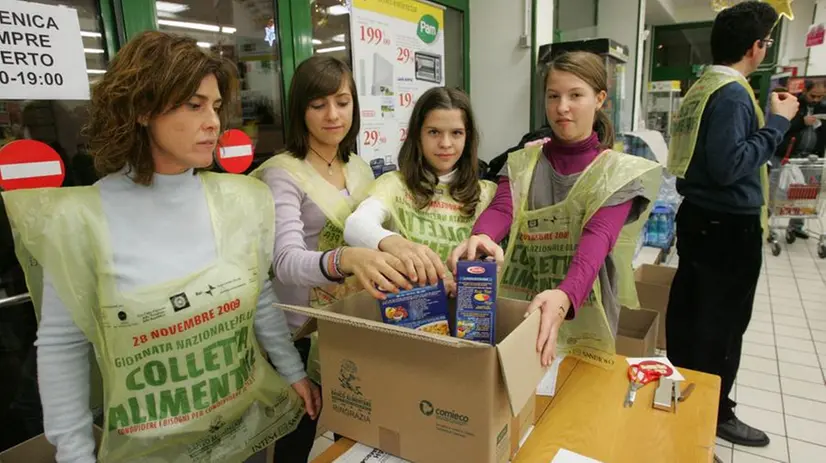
663,232
653,230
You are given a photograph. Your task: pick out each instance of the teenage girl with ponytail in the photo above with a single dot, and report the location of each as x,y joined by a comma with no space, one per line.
574,210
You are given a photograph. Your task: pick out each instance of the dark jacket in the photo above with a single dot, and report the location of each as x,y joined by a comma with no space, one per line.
499,161
797,127
724,173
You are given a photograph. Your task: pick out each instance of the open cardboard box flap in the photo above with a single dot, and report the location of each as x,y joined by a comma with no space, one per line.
353,320
522,373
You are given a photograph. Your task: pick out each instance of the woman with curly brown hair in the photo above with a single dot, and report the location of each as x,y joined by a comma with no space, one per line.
431,203
163,268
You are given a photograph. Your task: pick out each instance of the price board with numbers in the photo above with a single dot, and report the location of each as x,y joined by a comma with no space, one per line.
398,54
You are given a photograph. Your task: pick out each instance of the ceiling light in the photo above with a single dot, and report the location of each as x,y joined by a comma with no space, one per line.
93,51
89,34
197,26
317,42
169,7
331,49
338,10
95,71
204,44
338,38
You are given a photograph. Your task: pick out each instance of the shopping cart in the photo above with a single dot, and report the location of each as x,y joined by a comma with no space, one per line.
796,192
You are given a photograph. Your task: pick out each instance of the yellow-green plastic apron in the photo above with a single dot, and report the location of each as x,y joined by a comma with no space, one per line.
686,129
336,207
440,225
543,242
184,379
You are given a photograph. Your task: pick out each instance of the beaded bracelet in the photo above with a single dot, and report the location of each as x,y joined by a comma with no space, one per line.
325,258
337,262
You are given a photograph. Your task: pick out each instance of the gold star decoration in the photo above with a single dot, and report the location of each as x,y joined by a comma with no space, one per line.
783,7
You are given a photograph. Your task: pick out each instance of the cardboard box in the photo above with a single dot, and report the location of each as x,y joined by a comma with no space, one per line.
637,332
653,288
36,450
39,450
422,396
522,424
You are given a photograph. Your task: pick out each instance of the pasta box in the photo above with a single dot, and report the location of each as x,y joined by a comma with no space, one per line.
421,308
424,396
476,301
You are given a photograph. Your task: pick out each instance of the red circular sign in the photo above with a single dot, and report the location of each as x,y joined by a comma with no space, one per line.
30,164
234,152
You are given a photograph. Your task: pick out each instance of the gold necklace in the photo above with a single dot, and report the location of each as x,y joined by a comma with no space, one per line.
329,163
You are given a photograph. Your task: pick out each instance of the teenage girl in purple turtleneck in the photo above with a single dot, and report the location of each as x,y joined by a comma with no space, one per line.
598,236
575,93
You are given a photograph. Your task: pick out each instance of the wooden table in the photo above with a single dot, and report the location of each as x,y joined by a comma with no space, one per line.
586,416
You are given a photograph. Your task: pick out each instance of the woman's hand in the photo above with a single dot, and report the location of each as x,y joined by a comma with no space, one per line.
310,395
472,247
554,305
377,271
422,263
450,285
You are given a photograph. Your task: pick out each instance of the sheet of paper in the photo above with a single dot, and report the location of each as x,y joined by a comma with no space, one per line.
567,456
676,376
547,387
361,453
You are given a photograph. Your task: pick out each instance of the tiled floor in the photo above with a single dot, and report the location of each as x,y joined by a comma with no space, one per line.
781,387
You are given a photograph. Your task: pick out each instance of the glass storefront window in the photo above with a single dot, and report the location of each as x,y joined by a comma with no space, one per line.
331,29
244,32
59,122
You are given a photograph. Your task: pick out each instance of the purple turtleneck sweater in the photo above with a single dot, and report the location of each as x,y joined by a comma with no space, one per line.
598,236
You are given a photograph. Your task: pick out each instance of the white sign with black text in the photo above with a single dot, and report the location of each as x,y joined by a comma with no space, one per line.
41,53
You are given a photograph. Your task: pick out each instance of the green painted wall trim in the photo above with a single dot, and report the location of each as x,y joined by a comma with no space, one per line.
284,29
534,47
637,76
302,26
139,16
465,9
461,5
109,27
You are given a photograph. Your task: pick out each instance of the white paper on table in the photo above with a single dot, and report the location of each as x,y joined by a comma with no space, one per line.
674,377
361,453
547,387
567,456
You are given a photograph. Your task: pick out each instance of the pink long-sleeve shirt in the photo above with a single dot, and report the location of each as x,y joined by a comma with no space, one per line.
598,236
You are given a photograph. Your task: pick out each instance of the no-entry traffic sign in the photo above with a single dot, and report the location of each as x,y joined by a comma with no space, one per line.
30,164
234,153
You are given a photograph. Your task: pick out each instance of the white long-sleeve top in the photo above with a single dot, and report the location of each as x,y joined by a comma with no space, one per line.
158,233
365,226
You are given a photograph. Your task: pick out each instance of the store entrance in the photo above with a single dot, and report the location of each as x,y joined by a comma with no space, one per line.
242,31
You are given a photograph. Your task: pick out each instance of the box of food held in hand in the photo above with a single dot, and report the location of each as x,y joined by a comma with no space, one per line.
476,301
421,308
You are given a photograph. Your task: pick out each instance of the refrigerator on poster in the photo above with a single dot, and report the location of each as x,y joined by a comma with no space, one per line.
398,54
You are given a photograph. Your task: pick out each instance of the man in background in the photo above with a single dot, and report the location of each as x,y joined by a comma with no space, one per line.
719,150
806,136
